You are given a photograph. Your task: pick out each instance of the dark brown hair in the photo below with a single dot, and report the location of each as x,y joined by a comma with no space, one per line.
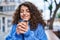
36,16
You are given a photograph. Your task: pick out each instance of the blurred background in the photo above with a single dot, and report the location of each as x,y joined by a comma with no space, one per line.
50,10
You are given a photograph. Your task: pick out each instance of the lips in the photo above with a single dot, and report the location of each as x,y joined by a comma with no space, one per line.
24,16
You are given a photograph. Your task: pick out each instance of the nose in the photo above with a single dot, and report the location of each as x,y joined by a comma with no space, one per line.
24,13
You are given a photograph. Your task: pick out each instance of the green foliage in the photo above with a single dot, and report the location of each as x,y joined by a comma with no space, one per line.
45,0
50,7
59,15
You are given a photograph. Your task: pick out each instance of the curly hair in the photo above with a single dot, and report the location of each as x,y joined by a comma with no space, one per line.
36,16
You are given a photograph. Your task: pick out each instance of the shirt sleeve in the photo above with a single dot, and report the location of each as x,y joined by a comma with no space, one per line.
27,33
39,34
13,35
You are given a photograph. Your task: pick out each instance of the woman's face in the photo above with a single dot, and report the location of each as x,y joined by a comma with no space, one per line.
24,13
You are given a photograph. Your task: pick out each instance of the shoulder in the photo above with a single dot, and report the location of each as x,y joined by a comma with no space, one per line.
40,32
13,26
39,27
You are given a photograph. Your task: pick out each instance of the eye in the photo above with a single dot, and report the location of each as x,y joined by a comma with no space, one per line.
27,10
21,11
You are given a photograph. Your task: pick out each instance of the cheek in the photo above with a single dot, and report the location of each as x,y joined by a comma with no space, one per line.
21,14
29,16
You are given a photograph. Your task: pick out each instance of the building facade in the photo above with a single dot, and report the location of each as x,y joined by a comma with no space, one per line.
7,8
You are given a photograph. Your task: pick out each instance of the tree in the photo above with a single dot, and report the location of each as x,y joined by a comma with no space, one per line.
54,13
59,15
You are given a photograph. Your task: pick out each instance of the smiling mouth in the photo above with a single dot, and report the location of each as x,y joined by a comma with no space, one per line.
24,16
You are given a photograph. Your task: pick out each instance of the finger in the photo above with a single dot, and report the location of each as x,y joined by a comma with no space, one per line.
22,25
21,29
17,31
21,32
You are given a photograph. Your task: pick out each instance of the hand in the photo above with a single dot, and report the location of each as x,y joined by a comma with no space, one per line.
22,27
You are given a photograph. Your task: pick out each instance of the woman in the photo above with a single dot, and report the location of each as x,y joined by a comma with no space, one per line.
27,24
